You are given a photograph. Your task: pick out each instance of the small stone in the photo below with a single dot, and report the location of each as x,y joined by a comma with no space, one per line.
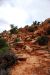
28,49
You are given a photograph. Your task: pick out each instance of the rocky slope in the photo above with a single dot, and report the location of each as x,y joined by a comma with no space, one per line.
35,58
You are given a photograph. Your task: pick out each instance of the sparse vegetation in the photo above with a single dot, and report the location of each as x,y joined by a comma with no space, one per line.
14,29
7,58
4,72
10,59
30,29
4,50
3,46
26,27
36,23
33,27
6,61
17,40
3,43
42,40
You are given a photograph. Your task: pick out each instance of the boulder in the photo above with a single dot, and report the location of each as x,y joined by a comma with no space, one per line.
28,48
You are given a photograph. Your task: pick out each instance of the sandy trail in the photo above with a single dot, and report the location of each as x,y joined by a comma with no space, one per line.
34,65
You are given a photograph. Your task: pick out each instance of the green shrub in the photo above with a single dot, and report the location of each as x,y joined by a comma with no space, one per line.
13,29
17,40
36,23
42,40
7,58
3,46
3,43
4,50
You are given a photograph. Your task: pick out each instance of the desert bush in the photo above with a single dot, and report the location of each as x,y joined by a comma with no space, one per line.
26,27
31,29
42,40
4,72
36,23
17,40
7,60
10,59
4,50
3,46
3,43
13,29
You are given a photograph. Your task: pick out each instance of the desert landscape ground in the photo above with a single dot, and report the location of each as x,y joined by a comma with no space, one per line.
30,49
